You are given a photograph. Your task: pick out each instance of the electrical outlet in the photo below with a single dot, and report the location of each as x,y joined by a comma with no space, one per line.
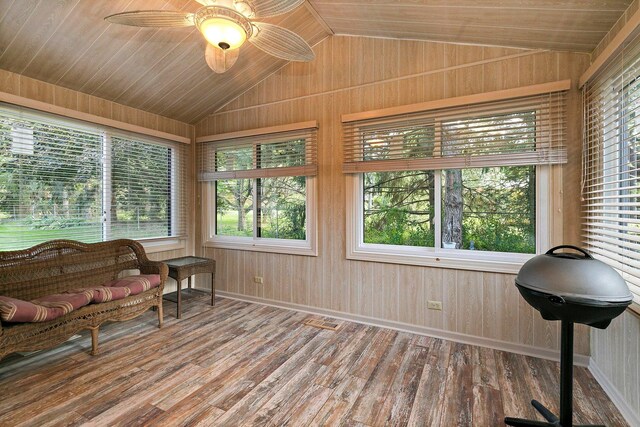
434,305
258,279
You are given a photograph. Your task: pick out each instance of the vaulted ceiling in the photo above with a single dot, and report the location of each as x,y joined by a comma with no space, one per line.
575,25
66,42
163,71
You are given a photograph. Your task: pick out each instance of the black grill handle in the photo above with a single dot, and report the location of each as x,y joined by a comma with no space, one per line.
586,254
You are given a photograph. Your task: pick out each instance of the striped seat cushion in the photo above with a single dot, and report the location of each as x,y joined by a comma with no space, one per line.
54,306
123,287
107,293
42,309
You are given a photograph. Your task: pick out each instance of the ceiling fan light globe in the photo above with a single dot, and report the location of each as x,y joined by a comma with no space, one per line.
223,33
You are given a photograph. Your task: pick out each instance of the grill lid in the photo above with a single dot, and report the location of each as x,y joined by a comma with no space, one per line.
577,277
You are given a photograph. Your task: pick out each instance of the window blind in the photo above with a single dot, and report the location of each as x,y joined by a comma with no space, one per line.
279,154
148,192
63,178
611,165
529,130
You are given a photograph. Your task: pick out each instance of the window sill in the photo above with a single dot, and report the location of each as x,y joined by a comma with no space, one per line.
444,258
162,245
304,249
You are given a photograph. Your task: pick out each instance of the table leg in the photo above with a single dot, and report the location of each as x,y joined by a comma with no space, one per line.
189,282
213,289
179,308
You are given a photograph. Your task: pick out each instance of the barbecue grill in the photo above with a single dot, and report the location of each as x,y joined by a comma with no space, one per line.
572,288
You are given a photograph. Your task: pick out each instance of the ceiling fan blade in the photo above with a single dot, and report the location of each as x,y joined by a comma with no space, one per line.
281,43
220,60
153,18
267,8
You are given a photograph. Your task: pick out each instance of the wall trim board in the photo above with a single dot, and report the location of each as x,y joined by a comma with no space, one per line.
579,359
311,124
91,118
377,82
625,409
458,101
312,10
626,34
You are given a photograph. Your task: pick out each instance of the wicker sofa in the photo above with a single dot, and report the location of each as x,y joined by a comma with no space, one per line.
98,272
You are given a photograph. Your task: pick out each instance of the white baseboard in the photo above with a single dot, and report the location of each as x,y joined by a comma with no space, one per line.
616,397
543,353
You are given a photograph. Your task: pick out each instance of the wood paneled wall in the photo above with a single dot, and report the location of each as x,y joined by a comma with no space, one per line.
352,74
616,352
38,90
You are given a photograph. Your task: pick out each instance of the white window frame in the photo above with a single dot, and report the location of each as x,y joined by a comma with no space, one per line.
153,244
254,138
150,244
463,259
549,178
171,243
308,247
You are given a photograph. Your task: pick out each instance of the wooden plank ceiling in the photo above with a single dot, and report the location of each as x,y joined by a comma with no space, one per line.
163,71
575,25
66,42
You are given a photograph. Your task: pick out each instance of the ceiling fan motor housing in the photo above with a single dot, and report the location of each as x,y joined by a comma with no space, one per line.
227,25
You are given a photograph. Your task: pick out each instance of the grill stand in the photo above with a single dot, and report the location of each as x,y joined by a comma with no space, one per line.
566,390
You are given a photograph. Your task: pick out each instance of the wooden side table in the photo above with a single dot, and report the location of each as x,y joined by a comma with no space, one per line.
185,267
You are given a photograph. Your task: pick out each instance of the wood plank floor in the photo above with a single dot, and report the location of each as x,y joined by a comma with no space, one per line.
245,364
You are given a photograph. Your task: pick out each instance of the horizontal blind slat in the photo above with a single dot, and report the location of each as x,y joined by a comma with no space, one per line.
611,164
532,130
291,153
60,171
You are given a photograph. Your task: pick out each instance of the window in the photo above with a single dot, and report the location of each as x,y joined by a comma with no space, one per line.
282,207
498,209
234,207
260,191
611,166
61,178
486,209
143,190
456,187
399,208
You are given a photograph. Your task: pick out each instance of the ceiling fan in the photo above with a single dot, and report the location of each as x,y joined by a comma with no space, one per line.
226,25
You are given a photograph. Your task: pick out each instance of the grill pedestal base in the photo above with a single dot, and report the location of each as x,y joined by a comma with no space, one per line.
566,390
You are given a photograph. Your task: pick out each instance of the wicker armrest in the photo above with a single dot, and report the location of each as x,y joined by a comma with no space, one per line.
155,267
